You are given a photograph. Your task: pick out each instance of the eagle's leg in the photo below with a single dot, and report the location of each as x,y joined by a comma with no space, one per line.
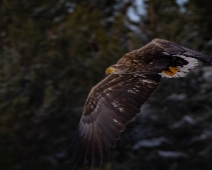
171,71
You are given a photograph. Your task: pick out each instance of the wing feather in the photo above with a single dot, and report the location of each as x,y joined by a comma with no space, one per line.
176,49
100,129
116,115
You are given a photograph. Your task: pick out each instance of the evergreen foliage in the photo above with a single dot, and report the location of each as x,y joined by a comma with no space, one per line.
53,52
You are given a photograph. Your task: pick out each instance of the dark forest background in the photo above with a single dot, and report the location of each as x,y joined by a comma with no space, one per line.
53,52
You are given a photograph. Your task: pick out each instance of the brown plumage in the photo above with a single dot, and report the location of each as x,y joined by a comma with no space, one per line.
113,102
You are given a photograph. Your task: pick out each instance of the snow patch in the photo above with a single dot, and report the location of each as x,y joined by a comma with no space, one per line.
148,143
171,154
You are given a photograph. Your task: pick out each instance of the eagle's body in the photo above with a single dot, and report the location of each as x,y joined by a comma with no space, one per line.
113,102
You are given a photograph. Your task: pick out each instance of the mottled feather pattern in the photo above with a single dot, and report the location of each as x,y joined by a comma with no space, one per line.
117,99
97,127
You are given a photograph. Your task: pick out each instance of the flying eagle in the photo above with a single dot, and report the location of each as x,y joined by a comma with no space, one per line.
114,101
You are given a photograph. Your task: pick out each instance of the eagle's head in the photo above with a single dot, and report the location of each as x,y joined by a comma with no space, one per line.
116,69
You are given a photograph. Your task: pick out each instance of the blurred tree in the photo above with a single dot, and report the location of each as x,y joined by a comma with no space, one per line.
200,22
52,53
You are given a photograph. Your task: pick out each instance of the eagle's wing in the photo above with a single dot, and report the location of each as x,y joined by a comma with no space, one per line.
173,49
111,104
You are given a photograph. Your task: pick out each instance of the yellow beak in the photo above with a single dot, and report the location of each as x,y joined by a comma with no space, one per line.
110,70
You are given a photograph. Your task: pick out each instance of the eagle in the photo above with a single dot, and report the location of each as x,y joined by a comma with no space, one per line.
117,99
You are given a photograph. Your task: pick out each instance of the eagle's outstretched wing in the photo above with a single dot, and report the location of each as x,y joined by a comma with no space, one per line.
110,106
114,101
